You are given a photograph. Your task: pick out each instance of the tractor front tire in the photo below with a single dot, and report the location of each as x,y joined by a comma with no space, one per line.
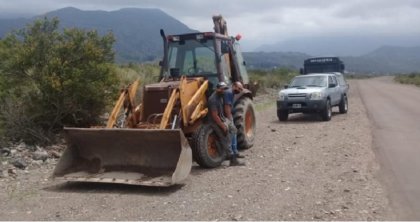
245,122
207,148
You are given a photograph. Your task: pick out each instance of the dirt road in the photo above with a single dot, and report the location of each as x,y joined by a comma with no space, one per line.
394,111
303,169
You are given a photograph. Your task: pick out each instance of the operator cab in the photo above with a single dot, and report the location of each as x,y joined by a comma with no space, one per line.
203,55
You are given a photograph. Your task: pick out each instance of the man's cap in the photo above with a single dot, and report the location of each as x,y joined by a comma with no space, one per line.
222,85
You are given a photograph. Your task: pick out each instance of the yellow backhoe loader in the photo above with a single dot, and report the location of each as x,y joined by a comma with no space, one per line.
155,142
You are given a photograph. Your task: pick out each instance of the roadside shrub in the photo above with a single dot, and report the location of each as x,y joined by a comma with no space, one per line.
412,78
53,79
127,74
358,76
274,79
147,73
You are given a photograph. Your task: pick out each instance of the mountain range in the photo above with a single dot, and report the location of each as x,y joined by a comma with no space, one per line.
384,60
340,45
138,40
136,30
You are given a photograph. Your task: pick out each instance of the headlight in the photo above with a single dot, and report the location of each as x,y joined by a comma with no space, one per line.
282,96
315,96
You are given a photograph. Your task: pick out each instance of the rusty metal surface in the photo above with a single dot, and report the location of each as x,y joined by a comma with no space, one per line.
128,156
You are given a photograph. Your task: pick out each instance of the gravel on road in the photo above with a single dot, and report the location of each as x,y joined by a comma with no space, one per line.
302,169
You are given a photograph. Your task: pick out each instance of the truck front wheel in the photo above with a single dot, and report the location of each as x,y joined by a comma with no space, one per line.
327,112
283,115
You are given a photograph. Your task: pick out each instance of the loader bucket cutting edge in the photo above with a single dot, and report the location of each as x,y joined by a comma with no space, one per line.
126,156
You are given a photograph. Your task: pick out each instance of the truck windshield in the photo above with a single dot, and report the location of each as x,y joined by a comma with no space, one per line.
192,57
309,81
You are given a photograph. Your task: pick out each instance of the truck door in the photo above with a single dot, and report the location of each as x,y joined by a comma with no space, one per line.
336,91
332,91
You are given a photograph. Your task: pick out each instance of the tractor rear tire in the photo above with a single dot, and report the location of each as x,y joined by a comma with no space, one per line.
207,148
245,122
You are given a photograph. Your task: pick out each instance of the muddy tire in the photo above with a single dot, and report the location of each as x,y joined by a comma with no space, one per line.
206,147
283,115
245,122
327,112
343,106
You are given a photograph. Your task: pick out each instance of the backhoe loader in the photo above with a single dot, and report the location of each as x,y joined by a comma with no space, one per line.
155,142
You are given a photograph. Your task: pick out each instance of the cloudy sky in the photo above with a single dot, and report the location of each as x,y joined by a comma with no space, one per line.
262,20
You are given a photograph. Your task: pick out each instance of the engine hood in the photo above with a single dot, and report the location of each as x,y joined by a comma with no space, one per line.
302,90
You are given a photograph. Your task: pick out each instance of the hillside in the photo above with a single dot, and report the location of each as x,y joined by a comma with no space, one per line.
384,60
136,30
268,60
339,45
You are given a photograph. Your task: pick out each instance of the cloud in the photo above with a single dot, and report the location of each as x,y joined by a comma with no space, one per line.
264,21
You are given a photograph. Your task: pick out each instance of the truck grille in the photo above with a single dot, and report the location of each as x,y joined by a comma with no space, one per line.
297,95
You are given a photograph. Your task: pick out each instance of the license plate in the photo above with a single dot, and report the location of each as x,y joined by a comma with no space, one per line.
297,106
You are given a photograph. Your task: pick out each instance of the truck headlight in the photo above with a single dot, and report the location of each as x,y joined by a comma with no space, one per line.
282,96
315,96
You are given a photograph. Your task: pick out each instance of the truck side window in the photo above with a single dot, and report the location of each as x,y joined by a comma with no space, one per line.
341,80
334,80
330,80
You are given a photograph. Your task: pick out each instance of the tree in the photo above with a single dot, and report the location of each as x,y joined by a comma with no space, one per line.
54,78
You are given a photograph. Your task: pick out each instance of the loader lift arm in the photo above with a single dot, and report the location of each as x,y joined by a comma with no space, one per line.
126,99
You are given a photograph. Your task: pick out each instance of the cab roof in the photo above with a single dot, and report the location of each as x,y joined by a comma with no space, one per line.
196,35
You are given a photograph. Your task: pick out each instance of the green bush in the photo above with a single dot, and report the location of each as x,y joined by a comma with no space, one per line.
147,73
358,76
53,78
127,74
275,78
412,78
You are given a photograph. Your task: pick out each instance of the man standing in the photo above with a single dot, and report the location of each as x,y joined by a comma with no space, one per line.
218,116
228,100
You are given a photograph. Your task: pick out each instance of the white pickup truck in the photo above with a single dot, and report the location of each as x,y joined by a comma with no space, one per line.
313,93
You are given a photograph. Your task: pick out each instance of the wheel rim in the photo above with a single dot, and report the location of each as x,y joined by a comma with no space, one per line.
329,110
249,124
345,104
211,146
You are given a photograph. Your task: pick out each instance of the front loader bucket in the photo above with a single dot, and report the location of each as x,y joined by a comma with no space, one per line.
147,157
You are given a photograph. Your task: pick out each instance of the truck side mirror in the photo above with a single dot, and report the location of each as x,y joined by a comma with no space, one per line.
332,85
160,63
286,86
301,71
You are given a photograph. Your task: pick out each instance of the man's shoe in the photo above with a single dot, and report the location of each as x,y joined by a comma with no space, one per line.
238,155
235,162
228,156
